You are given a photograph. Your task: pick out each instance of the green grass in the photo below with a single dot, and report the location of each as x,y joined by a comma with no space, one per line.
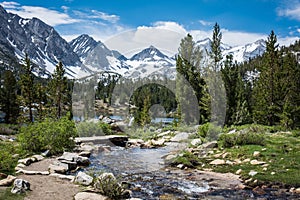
282,154
281,151
5,194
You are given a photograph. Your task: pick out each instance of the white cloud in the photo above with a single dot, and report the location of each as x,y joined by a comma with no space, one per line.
165,36
9,4
237,38
105,16
205,23
293,11
51,17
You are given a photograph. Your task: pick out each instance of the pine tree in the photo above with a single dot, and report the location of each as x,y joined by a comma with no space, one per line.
267,95
290,91
189,82
8,97
27,86
216,52
59,90
214,79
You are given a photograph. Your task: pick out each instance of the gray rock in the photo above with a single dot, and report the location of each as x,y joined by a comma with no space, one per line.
89,196
83,161
28,172
68,156
212,144
64,177
7,181
256,162
26,161
85,154
20,186
159,142
217,162
180,136
256,154
61,169
38,157
196,142
83,179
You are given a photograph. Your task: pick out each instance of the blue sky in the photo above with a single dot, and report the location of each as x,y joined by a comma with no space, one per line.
241,21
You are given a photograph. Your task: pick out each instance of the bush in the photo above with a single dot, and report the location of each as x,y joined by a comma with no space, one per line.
7,161
88,129
296,133
56,136
209,131
241,138
187,159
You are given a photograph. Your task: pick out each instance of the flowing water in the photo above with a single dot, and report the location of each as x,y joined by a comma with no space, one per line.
144,171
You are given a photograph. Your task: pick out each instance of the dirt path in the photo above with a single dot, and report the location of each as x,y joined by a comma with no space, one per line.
46,187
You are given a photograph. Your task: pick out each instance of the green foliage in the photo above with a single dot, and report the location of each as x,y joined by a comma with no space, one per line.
54,135
106,85
244,137
109,186
59,90
210,131
296,133
187,159
216,52
7,161
190,83
8,96
87,129
27,87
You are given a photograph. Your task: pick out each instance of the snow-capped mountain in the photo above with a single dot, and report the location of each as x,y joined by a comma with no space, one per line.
84,56
96,56
244,53
150,62
239,53
41,42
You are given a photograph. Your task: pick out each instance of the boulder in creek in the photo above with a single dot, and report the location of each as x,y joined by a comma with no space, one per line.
55,168
20,186
83,179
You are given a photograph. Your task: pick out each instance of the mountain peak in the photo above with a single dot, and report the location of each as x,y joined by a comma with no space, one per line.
149,54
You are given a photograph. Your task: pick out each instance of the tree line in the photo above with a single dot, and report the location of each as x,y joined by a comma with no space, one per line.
25,97
263,90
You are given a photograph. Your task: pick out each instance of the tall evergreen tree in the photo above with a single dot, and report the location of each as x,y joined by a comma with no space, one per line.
216,52
8,97
189,78
290,91
267,93
214,79
59,90
27,86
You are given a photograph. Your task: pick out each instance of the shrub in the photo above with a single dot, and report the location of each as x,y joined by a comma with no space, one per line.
209,131
245,137
7,161
296,133
187,159
54,135
88,129
108,185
